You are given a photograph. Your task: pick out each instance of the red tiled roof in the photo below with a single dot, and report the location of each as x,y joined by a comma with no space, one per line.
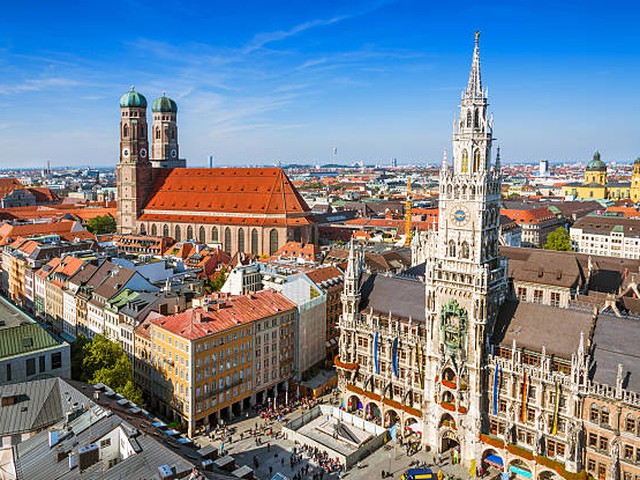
64,228
8,185
307,251
236,310
265,191
535,215
44,194
324,273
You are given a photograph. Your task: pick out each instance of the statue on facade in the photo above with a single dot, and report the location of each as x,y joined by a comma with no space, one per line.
574,441
614,466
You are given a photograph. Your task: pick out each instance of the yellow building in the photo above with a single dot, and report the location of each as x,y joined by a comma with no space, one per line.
198,366
597,187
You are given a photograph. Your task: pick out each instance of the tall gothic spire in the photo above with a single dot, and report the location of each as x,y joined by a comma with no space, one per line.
474,88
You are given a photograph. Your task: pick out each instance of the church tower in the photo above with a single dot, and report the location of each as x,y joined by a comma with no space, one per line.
465,278
635,181
133,171
164,131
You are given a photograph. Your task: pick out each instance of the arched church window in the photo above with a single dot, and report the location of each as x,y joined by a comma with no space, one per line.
214,235
476,119
143,229
469,118
254,241
241,240
142,133
464,250
202,234
227,240
472,190
178,234
449,188
125,131
452,248
273,241
173,134
465,161
189,233
594,413
165,230
476,160
158,133
154,230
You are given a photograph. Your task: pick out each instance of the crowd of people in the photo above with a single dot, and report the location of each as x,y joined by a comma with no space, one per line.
321,458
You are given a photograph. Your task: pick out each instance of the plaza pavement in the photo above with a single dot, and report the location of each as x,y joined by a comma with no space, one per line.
392,458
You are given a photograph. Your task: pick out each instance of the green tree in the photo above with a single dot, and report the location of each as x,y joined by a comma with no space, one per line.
559,240
101,224
100,353
216,283
104,361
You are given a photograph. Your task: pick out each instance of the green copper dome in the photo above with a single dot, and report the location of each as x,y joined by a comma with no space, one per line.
133,99
596,164
164,104
637,162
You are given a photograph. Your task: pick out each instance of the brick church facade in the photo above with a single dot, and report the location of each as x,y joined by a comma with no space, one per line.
253,210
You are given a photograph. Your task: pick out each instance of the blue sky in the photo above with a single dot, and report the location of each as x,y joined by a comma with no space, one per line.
257,81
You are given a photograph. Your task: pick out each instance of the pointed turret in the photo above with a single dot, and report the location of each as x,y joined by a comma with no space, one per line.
408,215
498,163
474,87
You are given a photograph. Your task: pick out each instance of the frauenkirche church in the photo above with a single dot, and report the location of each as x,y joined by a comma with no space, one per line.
252,210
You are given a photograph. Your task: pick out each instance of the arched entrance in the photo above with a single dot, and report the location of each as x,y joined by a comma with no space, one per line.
373,413
520,470
391,418
448,441
548,475
492,460
447,421
354,404
412,427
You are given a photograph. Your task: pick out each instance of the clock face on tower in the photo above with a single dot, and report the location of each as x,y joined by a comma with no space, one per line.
143,152
174,154
125,152
459,215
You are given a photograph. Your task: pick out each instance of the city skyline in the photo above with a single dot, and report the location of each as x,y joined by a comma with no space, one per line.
374,80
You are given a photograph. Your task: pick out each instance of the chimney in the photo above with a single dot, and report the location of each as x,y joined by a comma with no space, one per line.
198,316
176,308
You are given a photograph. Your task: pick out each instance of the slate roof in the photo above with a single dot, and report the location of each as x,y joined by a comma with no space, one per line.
534,326
403,297
35,460
546,267
600,225
616,340
40,403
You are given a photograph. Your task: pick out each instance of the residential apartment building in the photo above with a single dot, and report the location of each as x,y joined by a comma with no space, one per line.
216,360
606,236
536,224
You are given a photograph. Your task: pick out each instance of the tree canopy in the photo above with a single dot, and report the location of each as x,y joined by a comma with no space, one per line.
102,361
101,224
559,240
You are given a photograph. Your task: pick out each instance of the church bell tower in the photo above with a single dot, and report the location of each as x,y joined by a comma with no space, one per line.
133,171
465,277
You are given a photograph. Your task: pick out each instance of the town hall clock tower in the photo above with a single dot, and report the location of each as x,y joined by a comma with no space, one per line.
465,278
